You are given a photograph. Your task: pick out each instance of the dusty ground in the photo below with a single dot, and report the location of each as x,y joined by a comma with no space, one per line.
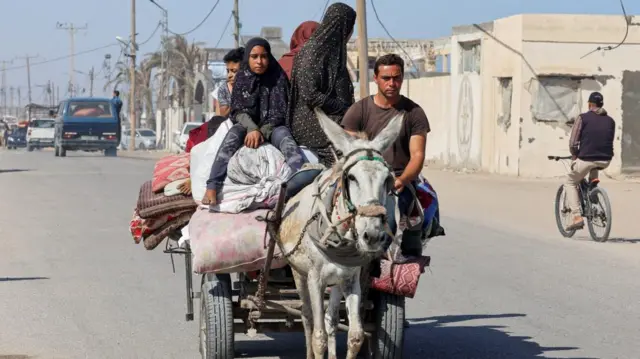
503,283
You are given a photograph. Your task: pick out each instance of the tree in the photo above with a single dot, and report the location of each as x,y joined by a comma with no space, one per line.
183,59
144,100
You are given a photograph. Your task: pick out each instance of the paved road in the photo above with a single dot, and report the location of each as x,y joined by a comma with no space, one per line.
503,284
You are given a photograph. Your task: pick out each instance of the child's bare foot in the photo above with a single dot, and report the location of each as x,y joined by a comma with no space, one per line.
210,197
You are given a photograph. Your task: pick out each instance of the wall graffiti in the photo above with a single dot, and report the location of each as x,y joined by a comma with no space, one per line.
465,118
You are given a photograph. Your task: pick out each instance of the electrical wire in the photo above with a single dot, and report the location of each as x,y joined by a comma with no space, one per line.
626,34
226,27
151,36
62,57
373,5
324,9
201,22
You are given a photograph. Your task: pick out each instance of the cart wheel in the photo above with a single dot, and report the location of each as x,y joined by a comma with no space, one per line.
216,318
387,341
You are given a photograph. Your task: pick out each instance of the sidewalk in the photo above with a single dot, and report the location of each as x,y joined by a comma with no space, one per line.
526,205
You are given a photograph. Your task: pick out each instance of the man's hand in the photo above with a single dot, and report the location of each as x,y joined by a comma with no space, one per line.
399,185
253,139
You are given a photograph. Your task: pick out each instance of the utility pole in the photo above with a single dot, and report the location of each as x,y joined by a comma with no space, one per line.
91,72
132,100
11,108
27,59
363,48
72,35
162,103
19,104
4,84
236,18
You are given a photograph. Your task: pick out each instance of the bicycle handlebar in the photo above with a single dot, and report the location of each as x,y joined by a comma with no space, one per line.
558,158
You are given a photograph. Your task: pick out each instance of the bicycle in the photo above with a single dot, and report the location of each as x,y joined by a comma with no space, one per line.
595,206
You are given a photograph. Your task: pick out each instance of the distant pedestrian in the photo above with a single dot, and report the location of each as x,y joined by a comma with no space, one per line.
117,103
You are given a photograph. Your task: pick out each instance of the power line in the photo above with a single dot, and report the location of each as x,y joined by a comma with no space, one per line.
324,9
63,57
201,22
373,5
626,34
151,36
226,27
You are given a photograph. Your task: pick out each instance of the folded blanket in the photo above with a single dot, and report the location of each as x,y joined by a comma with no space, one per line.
141,228
168,169
152,241
152,205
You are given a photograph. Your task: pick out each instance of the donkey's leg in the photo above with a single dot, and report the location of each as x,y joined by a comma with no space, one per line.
353,297
317,286
307,317
331,319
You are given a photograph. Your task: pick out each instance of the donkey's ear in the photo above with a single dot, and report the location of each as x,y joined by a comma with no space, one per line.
388,135
340,139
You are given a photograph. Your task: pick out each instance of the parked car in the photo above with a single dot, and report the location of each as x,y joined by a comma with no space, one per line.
40,133
181,137
145,139
17,138
86,124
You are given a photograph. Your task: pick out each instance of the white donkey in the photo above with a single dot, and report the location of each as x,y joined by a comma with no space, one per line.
334,227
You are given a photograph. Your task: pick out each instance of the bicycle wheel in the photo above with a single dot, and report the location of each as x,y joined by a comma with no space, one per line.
600,214
563,213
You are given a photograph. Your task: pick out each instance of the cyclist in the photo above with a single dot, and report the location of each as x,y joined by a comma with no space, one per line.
591,146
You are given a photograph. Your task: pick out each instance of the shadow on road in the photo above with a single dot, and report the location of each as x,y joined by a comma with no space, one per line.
624,240
10,171
19,279
445,337
425,338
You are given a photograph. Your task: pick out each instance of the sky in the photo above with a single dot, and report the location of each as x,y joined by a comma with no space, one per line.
28,27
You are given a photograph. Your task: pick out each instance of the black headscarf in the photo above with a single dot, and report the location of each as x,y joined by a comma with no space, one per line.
263,97
320,78
328,44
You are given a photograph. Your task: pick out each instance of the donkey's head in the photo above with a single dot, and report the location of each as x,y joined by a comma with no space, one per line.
366,179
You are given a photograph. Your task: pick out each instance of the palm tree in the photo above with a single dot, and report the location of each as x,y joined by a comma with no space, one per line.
143,85
183,58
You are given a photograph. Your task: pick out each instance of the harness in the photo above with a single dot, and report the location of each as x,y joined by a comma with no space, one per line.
328,228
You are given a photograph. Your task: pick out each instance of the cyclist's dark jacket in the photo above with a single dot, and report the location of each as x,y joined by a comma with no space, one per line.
592,136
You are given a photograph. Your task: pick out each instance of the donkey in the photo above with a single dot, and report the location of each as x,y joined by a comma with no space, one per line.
334,227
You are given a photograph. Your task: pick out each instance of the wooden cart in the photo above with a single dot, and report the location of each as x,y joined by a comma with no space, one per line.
268,302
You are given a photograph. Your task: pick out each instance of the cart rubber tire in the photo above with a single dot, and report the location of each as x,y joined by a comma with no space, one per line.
216,318
388,340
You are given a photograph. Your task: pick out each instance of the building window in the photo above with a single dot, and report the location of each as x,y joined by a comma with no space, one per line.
557,99
470,56
506,96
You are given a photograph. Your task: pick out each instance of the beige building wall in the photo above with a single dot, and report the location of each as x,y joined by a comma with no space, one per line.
557,45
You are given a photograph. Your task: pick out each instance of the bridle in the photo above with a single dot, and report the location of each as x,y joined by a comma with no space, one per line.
341,193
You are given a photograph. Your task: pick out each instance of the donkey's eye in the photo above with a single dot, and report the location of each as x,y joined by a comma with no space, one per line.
352,178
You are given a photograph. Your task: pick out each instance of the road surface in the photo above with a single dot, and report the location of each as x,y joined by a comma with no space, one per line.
502,284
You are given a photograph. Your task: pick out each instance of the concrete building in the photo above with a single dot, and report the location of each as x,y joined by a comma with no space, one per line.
517,83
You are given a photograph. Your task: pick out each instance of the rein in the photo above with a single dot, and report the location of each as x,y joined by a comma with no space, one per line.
327,234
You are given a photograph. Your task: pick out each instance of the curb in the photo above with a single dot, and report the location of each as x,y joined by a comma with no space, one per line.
143,155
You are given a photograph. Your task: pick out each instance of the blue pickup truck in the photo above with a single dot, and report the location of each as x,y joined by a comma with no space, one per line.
86,124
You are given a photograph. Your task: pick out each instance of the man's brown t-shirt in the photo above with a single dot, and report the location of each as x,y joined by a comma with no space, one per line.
365,116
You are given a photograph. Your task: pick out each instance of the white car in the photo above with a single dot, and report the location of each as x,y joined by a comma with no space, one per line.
181,137
145,139
40,133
